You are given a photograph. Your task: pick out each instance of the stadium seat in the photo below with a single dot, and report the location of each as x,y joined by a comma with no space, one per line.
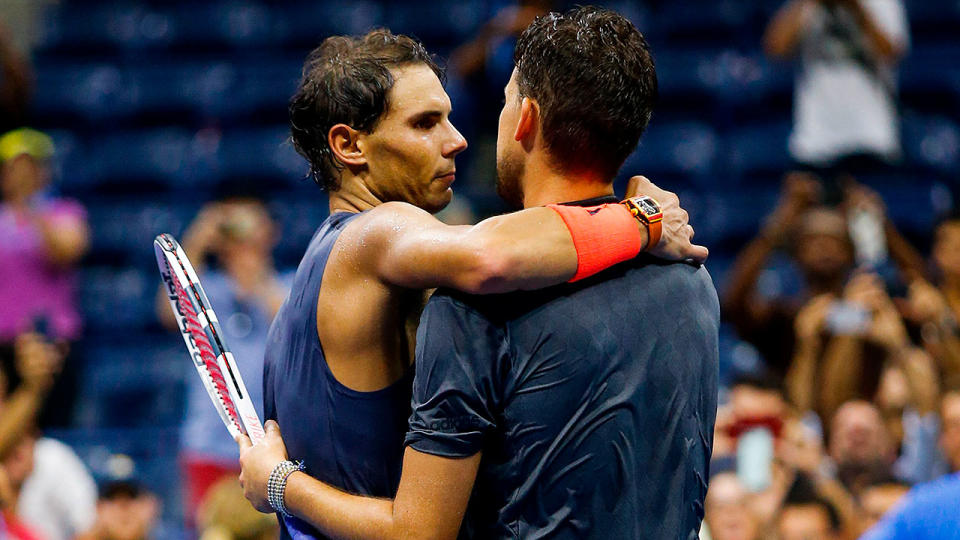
117,299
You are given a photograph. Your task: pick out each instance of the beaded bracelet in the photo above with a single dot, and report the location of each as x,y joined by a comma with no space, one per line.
277,484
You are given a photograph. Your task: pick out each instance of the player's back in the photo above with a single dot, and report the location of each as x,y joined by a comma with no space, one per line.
603,398
348,438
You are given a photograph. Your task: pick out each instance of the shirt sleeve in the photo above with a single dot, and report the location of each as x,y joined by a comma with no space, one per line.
456,389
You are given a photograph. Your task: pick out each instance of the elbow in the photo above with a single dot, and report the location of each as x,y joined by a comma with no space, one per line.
489,273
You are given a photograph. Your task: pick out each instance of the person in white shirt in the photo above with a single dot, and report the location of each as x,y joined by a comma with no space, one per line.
845,103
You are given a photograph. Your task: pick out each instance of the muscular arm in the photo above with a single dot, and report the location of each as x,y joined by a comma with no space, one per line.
430,501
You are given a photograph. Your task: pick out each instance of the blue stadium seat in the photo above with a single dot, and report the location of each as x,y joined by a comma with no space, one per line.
263,153
687,148
759,151
134,382
932,142
117,299
298,216
94,92
124,228
166,157
438,22
306,23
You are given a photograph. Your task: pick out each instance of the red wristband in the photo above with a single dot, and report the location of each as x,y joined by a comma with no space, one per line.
603,235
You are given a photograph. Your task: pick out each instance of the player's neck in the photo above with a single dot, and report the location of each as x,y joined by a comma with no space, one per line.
353,196
544,185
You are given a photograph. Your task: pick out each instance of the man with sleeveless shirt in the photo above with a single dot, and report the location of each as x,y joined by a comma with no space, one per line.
581,410
372,118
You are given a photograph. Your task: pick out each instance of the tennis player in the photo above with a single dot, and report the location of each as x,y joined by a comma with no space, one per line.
372,118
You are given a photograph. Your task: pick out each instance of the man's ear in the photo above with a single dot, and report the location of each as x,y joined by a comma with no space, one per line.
343,143
529,122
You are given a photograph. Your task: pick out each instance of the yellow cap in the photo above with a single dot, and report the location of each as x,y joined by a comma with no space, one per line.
25,141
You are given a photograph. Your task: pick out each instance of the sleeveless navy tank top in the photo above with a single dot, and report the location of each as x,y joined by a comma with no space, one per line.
349,439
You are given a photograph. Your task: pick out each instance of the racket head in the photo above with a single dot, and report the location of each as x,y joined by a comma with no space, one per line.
203,337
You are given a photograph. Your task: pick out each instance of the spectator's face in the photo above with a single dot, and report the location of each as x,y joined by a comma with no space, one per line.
946,248
410,152
748,401
804,522
127,518
950,436
875,501
22,176
727,513
823,256
858,435
246,232
510,153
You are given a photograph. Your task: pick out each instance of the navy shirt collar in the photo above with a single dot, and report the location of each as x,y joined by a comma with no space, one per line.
596,201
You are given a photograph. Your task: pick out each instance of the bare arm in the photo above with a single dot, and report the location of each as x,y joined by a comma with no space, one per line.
37,362
802,376
65,239
530,249
889,50
785,30
430,501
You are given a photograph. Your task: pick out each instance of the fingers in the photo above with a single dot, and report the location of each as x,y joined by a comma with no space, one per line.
243,442
698,253
637,185
271,426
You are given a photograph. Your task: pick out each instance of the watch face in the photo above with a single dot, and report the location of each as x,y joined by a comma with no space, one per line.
648,207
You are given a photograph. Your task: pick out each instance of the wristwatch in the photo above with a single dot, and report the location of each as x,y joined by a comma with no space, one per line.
647,211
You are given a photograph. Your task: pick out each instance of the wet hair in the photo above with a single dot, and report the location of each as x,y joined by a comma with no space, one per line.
591,72
346,80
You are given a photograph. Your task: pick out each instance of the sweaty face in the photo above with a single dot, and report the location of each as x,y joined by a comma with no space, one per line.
410,153
509,151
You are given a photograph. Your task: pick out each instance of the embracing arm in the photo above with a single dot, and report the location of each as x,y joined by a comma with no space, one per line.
430,502
530,249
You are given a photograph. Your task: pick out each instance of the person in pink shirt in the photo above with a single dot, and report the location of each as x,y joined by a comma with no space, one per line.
41,239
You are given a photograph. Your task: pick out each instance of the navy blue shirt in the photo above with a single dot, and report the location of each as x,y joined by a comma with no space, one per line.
351,440
593,403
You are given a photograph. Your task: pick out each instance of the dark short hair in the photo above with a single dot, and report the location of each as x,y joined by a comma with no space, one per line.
803,492
592,74
346,80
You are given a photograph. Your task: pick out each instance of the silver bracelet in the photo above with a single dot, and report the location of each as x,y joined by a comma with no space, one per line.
277,484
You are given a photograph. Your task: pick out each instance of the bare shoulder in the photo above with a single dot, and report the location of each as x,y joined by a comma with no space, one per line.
367,237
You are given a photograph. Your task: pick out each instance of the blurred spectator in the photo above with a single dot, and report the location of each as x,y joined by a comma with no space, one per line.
27,369
43,238
860,446
928,512
879,498
13,466
58,498
225,514
936,311
15,83
950,430
125,511
845,104
727,512
818,241
807,516
246,291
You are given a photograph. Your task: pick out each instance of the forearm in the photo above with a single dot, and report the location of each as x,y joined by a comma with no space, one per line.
339,514
743,278
19,412
881,42
801,378
64,243
908,260
842,365
783,33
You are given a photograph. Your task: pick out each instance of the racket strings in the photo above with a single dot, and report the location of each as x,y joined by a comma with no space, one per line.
206,352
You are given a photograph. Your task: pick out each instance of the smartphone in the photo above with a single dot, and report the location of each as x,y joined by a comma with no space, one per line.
755,458
847,318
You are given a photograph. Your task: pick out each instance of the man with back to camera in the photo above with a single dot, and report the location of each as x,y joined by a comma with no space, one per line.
582,410
373,120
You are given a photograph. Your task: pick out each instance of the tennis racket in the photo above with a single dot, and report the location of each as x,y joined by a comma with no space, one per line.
201,332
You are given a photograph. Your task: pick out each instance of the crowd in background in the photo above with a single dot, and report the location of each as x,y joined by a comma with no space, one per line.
849,425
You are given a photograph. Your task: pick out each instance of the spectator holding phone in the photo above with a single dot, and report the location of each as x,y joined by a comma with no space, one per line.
845,104
236,235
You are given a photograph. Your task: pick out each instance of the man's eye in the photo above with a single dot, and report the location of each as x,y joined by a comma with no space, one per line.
426,123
